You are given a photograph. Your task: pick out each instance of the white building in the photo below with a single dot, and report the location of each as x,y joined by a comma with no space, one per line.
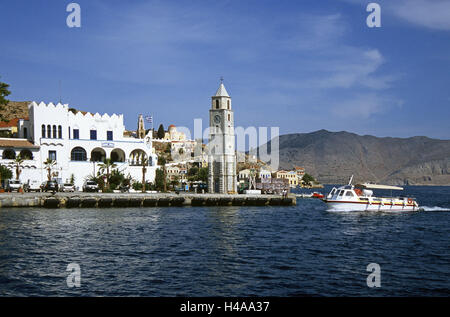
78,142
222,156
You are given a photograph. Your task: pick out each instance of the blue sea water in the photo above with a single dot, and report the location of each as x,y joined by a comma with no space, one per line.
302,250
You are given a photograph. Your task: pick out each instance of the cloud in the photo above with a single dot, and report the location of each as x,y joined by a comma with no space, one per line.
364,106
433,14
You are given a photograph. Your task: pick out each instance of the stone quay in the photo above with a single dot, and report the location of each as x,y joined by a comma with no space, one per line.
128,200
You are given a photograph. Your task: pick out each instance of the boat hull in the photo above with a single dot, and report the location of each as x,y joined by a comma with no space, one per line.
363,206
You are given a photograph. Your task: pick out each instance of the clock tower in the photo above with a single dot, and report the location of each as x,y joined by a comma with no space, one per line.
221,146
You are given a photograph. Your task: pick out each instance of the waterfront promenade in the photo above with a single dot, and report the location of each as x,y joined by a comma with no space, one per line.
123,200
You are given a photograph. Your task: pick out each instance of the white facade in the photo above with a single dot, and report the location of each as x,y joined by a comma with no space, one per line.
78,142
221,146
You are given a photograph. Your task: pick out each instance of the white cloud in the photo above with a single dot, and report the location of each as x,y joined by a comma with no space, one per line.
434,14
364,106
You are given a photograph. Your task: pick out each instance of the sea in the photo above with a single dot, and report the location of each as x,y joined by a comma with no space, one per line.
301,250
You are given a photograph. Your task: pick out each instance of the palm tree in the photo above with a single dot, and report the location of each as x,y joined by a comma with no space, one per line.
5,173
144,163
107,166
18,161
49,165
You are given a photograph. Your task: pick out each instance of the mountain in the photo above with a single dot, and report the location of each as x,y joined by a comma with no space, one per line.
332,157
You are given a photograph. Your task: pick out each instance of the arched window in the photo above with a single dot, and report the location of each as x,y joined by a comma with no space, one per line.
54,131
228,103
229,117
59,132
217,104
117,155
49,131
78,154
26,155
43,131
98,155
137,157
9,154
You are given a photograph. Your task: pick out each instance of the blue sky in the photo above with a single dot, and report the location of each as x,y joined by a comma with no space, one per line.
298,65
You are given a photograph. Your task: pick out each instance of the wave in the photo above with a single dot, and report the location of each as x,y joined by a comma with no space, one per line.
434,208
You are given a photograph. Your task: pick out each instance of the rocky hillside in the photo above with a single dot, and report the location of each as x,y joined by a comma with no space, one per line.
14,109
332,157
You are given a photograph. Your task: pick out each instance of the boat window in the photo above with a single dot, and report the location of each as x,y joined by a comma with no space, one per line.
349,193
341,193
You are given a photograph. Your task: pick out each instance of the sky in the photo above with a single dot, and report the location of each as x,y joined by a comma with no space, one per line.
301,66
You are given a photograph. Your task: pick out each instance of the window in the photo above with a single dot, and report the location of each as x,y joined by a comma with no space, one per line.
228,105
69,132
25,133
349,193
109,135
93,134
26,155
217,104
59,132
52,155
341,193
43,131
54,131
49,132
9,154
76,134
78,154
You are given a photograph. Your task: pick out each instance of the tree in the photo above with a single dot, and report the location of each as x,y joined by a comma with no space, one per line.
72,179
161,132
175,181
203,174
49,165
18,161
5,173
3,93
192,174
159,179
308,179
162,162
107,166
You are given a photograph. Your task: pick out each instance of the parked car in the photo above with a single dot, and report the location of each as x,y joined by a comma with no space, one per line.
67,187
14,185
32,185
50,186
90,186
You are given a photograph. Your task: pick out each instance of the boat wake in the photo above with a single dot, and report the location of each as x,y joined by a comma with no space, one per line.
434,208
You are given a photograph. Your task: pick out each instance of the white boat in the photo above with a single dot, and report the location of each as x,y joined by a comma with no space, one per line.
360,198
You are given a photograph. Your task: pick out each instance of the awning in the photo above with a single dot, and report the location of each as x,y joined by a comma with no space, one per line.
376,186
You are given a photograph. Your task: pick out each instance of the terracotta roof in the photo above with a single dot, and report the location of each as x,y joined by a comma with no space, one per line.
18,143
9,124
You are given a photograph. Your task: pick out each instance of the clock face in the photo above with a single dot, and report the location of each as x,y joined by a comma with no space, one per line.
217,119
